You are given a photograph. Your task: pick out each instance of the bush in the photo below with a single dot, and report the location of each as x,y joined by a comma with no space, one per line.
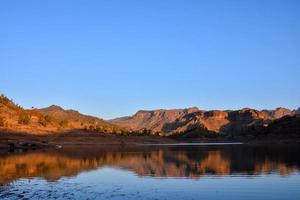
4,100
64,123
91,127
146,132
99,128
44,120
1,121
47,118
24,119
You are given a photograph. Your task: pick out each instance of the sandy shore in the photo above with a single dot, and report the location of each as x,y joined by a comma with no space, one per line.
19,140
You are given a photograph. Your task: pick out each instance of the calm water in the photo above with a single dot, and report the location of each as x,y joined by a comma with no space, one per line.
153,172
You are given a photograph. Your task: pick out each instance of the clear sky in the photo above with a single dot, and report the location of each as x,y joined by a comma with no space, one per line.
112,58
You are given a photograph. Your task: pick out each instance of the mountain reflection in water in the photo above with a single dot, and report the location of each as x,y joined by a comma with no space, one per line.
188,162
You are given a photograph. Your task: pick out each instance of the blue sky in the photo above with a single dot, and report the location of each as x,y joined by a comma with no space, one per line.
112,58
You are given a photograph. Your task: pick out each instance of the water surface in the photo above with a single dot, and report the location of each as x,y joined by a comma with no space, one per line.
153,172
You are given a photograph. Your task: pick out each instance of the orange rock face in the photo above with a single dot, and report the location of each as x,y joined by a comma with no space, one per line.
214,121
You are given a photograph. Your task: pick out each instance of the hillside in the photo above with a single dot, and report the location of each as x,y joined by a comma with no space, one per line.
287,125
53,119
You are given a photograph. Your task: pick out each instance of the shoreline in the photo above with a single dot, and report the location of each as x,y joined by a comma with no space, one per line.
13,141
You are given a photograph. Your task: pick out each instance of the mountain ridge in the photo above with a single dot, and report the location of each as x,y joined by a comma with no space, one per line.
174,121
163,122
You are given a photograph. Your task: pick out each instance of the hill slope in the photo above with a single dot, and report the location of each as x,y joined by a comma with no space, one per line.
53,119
287,125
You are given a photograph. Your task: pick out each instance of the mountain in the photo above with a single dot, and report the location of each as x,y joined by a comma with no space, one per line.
52,119
153,120
188,122
73,115
168,122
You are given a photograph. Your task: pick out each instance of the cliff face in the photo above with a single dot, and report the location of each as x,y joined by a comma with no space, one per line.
169,122
155,120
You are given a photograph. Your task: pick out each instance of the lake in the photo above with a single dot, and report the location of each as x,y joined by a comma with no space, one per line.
228,171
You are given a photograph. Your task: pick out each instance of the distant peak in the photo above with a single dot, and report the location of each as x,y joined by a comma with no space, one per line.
55,107
192,109
282,108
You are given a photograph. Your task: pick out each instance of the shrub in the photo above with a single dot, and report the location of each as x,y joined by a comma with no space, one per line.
9,103
24,119
44,120
1,121
157,133
146,132
98,128
47,118
4,100
64,123
91,127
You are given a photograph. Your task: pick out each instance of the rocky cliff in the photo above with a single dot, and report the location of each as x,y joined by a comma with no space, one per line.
168,122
